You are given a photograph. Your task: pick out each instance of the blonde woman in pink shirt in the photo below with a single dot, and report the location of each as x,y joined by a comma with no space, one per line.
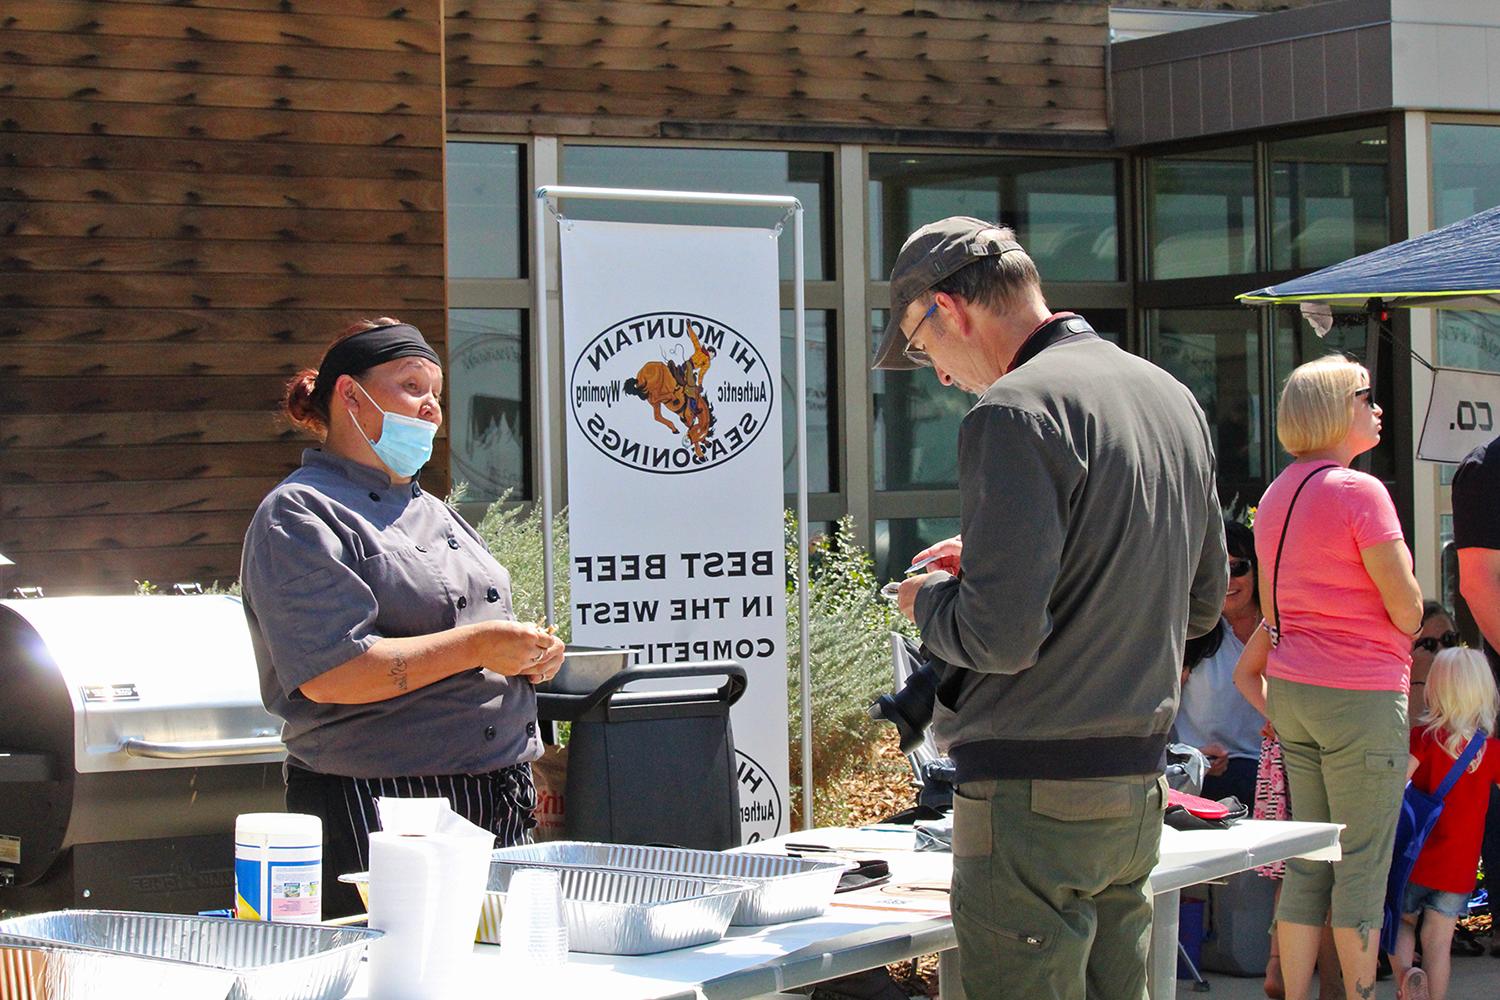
1331,663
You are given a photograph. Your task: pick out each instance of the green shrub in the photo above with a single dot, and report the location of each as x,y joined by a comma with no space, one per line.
849,642
513,535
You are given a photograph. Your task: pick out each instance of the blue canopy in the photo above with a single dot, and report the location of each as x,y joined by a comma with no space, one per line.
1457,266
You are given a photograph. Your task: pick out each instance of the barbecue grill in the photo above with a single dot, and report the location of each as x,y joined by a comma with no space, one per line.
132,736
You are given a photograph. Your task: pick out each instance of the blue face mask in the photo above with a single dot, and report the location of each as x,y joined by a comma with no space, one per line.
405,443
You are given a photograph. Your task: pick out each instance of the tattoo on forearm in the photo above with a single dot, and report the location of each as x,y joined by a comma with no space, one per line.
398,673
1366,992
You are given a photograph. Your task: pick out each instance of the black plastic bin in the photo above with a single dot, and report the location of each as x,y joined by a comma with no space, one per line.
652,767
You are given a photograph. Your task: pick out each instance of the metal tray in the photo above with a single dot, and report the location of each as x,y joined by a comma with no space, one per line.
611,912
584,668
781,888
257,960
52,972
626,913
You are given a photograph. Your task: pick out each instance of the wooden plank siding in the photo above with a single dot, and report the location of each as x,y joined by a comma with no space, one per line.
194,198
627,67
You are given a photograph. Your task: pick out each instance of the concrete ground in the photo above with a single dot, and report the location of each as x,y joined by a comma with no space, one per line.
1474,978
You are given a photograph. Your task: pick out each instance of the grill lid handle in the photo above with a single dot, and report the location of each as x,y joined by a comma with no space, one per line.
242,747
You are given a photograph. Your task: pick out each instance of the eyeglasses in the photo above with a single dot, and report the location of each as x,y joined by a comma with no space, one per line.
912,353
1367,394
1431,643
1240,567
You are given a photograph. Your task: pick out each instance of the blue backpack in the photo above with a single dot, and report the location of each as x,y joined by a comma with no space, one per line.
1419,814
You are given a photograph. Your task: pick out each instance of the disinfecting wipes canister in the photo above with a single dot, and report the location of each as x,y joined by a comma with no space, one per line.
278,868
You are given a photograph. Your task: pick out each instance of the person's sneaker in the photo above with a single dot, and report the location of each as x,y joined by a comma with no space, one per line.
1414,986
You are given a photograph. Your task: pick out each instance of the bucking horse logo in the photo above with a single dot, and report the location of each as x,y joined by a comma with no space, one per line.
678,386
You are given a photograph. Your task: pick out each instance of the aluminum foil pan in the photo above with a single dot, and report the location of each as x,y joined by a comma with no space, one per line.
37,972
781,888
626,913
257,960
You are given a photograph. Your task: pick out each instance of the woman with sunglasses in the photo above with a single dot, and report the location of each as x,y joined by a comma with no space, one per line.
1331,665
1436,634
1213,715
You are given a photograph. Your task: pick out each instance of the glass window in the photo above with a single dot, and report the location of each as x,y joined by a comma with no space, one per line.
486,228
915,431
1464,178
822,439
489,413
1328,198
916,418
1468,340
1200,213
1294,343
1107,323
1065,211
898,539
806,175
1216,354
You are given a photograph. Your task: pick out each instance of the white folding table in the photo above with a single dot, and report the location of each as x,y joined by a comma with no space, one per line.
881,925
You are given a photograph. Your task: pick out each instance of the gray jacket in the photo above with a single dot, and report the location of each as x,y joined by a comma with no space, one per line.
1093,546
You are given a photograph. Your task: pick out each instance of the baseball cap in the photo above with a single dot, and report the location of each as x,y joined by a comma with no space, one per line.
928,256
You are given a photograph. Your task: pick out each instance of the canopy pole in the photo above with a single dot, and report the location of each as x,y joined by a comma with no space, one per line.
1375,326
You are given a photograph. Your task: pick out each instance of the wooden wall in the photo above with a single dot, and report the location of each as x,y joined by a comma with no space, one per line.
624,67
194,197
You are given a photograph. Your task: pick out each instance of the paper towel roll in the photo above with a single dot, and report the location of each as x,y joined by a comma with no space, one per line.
426,891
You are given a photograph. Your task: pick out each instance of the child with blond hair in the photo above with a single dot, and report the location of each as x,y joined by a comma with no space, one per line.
1461,700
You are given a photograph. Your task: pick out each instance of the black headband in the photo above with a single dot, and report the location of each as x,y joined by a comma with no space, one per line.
368,348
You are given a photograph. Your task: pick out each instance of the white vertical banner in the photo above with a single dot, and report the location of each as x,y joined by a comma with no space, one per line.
671,341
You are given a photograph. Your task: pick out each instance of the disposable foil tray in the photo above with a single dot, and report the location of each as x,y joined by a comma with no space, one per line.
781,888
31,971
188,956
625,913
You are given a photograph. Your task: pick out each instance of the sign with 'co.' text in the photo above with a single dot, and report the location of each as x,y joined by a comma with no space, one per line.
1461,414
671,338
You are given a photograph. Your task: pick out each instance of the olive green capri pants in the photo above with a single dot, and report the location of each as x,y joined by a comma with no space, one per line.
1345,754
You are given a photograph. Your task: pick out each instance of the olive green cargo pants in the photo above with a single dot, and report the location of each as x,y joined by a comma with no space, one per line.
1050,898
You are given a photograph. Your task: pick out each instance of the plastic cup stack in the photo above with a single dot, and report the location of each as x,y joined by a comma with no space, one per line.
533,927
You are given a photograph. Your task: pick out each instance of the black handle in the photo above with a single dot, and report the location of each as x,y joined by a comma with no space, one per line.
570,707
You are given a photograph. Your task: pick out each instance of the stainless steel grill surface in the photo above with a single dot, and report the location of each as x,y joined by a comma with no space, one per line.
253,960
136,734
781,888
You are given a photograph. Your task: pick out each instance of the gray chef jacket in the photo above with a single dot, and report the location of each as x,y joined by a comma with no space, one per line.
337,558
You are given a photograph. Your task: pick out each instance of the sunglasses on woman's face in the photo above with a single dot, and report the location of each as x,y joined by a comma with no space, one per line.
1240,567
1431,643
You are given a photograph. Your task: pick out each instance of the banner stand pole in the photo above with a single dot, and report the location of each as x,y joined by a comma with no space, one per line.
541,341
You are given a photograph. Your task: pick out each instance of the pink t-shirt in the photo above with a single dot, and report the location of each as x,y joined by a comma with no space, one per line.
1334,628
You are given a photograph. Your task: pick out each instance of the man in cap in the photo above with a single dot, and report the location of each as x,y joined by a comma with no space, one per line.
1091,548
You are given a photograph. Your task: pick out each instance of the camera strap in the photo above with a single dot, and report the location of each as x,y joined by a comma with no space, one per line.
1275,630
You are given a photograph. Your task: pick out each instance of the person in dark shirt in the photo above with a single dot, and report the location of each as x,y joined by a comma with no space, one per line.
1476,536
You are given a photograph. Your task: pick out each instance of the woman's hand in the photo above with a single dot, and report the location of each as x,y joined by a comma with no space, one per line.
1250,670
519,649
1389,566
1218,758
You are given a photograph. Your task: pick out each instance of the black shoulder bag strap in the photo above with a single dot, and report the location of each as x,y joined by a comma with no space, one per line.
1275,630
